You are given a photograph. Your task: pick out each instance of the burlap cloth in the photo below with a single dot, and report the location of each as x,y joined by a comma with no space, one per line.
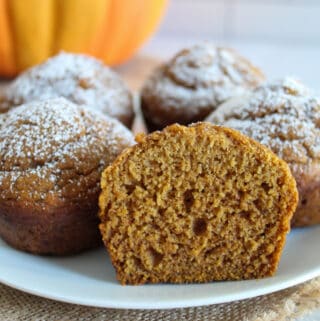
284,305
280,306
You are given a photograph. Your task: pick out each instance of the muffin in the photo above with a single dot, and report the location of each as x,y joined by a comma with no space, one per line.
196,204
78,78
193,83
284,116
52,154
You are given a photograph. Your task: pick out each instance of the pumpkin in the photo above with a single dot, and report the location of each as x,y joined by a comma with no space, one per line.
112,30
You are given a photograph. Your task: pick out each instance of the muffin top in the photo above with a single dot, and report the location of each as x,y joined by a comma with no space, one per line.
283,115
54,150
81,79
202,76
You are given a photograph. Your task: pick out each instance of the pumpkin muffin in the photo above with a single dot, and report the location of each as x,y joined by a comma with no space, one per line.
52,154
193,83
79,78
196,204
284,116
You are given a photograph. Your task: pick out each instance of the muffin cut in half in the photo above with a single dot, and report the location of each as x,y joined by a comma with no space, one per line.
196,204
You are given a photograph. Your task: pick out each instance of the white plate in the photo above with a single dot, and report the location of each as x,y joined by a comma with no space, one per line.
89,279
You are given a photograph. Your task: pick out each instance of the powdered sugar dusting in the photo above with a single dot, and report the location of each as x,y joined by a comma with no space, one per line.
79,78
200,77
282,115
208,66
53,148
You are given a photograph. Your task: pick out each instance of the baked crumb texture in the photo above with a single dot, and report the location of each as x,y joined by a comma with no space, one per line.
196,204
283,115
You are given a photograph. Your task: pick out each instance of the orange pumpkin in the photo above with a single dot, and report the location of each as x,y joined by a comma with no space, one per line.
112,30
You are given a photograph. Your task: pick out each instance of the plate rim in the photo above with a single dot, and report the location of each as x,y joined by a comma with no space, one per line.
185,303
285,281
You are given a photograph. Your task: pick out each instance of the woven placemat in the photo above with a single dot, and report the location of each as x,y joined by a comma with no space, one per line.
280,306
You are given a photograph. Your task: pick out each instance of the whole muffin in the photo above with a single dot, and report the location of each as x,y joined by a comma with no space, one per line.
79,78
52,154
193,83
196,204
284,116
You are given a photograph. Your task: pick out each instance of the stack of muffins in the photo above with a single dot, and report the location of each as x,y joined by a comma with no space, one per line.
282,114
212,200
60,127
